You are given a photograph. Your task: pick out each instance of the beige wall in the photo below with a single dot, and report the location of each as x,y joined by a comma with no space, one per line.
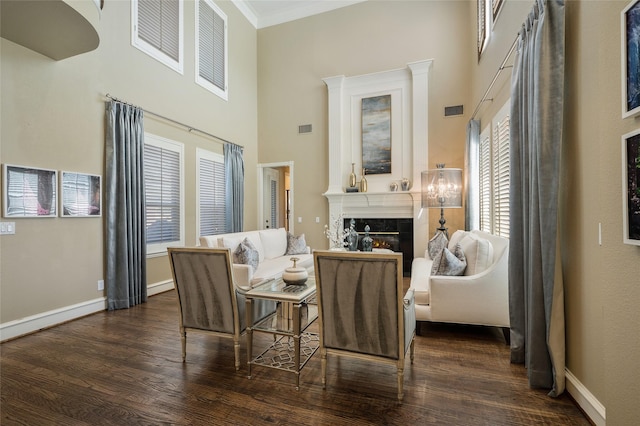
602,281
360,39
53,117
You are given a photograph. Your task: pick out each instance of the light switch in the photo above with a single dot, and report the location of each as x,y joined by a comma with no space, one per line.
7,228
299,219
317,219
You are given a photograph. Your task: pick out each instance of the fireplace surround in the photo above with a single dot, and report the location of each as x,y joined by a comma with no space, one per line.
409,90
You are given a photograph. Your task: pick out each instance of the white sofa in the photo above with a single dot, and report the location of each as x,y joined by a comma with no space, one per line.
271,245
481,298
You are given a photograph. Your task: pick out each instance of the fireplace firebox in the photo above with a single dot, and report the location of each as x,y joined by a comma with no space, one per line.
392,234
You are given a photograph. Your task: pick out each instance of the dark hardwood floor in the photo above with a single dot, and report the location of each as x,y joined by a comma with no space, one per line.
125,368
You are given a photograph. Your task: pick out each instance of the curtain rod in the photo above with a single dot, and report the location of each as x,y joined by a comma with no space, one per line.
502,67
189,128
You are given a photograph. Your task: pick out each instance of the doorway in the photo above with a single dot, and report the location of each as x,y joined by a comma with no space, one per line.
275,195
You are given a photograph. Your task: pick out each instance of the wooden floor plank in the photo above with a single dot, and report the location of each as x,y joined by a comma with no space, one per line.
125,368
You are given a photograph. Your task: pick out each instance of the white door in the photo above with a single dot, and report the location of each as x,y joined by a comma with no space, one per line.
271,199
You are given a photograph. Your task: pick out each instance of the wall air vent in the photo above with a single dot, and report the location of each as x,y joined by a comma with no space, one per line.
304,128
453,110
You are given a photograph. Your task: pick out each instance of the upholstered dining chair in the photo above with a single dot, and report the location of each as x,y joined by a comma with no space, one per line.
362,312
209,301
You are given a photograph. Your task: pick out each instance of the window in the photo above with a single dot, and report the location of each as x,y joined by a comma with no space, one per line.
488,11
210,196
158,30
164,193
483,30
493,181
211,48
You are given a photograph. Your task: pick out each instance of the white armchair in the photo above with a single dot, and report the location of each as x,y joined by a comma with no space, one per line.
480,298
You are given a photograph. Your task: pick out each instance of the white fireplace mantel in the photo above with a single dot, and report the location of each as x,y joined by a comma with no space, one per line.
409,90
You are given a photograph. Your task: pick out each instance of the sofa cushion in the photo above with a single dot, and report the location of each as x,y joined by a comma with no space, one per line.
456,238
231,241
436,244
479,253
274,242
296,244
448,263
246,253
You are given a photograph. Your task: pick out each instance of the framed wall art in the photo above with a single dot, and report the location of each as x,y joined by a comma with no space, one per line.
631,187
81,195
29,191
376,135
630,66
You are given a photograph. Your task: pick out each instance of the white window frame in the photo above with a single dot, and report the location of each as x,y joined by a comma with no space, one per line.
222,93
497,180
159,249
211,156
491,10
153,51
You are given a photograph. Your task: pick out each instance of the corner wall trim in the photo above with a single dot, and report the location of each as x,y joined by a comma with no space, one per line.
585,399
33,323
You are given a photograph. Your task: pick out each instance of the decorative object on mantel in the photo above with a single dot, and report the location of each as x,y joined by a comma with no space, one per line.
405,184
353,189
352,177
367,241
442,188
295,275
393,186
337,240
363,181
353,236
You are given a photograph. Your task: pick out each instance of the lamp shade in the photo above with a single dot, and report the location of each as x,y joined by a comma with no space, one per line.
442,187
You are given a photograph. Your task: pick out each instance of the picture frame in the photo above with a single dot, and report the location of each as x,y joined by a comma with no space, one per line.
29,192
376,135
630,67
631,188
81,194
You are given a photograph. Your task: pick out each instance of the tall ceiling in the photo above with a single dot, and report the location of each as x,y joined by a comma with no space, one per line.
265,13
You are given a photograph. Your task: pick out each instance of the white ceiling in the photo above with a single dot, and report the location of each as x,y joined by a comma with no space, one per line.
265,13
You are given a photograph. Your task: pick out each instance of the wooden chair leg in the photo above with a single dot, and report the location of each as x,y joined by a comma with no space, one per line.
323,364
236,351
400,383
411,350
183,341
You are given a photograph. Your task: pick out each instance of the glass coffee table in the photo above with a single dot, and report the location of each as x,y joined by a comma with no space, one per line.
296,311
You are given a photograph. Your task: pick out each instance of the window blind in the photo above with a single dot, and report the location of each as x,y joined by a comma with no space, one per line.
485,182
501,177
162,194
212,46
212,203
159,25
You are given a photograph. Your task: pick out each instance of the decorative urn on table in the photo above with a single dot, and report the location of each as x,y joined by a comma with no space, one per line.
295,275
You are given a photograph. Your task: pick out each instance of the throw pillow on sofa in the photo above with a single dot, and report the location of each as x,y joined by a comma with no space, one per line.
479,253
296,244
447,263
436,244
246,253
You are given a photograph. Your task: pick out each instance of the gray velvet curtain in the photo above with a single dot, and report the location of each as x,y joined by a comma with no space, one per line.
471,169
125,234
536,298
234,187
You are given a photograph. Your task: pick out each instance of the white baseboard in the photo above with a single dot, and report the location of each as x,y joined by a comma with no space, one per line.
33,323
585,399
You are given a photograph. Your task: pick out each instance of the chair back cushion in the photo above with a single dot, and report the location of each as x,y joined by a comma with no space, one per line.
358,300
202,277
